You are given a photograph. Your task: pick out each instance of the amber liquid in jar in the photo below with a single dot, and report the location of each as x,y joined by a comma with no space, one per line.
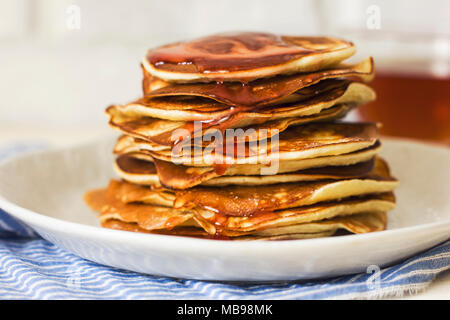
414,106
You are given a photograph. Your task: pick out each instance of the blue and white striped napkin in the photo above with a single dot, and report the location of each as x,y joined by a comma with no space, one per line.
33,268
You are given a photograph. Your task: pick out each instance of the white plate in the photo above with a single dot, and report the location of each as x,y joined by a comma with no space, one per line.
45,190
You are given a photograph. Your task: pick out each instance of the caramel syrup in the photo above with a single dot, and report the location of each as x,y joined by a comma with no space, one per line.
262,92
227,52
325,90
411,105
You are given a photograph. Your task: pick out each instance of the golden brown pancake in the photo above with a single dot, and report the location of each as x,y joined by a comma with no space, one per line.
192,175
357,223
244,56
332,104
299,142
181,177
200,233
176,231
150,83
162,134
324,94
291,236
111,205
317,218
128,192
317,213
254,95
248,200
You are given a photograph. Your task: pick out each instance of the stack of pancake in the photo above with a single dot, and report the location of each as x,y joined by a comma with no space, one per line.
238,136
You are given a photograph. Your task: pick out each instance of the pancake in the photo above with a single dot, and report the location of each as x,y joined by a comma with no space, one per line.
299,142
199,233
244,56
328,106
128,193
248,200
162,134
180,177
150,83
136,171
314,174
198,108
166,102
308,219
357,224
237,200
317,213
292,236
110,205
134,227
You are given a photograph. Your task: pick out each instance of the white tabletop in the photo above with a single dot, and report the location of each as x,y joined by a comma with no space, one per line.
59,137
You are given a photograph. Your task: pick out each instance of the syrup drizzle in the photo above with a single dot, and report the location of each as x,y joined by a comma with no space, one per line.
227,52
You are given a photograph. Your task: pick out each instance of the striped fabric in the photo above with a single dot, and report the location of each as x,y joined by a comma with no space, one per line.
33,268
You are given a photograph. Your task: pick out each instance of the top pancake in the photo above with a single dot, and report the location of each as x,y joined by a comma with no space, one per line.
244,56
